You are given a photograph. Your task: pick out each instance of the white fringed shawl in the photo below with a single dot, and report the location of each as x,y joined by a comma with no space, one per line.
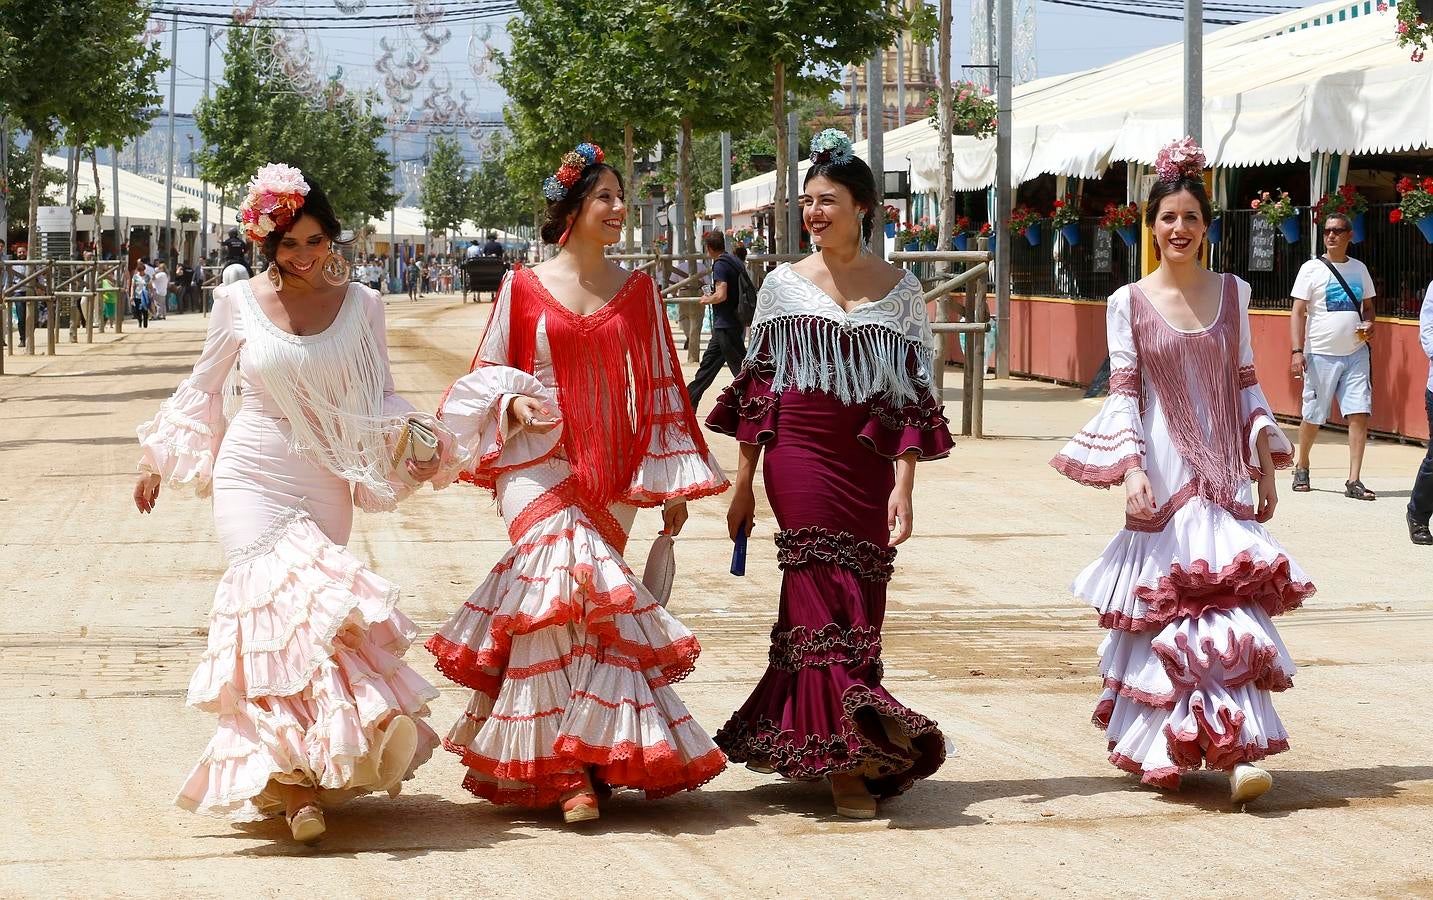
329,386
809,342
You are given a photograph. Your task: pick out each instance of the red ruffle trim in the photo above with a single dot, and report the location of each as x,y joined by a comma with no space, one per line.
694,492
658,770
1193,591
1103,477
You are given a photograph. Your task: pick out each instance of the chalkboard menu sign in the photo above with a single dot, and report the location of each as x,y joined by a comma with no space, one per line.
1104,251
1261,245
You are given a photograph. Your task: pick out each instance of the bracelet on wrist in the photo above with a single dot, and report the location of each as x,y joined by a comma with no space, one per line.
1298,350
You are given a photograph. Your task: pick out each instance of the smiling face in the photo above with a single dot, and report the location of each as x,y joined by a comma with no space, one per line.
603,212
830,213
303,249
1179,228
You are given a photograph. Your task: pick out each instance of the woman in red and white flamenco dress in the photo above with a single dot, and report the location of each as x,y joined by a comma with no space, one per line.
1188,589
304,663
575,415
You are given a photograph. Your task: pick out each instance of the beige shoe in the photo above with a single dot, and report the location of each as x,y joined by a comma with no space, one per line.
761,768
307,825
853,801
1247,783
395,752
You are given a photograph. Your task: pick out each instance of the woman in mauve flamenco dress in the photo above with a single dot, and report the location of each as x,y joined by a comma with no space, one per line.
574,415
836,386
1189,587
304,663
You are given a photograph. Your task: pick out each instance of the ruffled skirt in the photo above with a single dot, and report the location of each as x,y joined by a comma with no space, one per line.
571,661
1192,658
303,666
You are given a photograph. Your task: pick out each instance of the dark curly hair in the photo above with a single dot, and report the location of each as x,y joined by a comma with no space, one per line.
857,178
315,205
560,212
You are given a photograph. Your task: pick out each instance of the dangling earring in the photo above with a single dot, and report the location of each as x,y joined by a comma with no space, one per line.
276,278
562,241
335,269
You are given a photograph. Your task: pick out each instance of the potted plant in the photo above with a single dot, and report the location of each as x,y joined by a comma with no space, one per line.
972,112
1026,221
1280,212
1066,220
659,244
907,237
1414,27
1415,205
893,218
1123,221
960,239
1216,225
929,234
1346,201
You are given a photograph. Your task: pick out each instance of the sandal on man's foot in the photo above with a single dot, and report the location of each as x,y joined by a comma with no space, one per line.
1358,491
1301,481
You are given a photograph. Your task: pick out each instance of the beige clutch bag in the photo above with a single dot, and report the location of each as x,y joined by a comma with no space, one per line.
417,442
661,568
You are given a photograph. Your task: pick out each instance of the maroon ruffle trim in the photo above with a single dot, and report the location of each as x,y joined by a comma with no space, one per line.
831,645
894,431
1190,592
746,410
1102,477
796,547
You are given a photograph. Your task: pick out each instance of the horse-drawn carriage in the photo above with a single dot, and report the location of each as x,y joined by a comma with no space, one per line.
483,273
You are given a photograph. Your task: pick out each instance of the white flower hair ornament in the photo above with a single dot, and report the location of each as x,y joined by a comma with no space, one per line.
1180,159
276,194
833,147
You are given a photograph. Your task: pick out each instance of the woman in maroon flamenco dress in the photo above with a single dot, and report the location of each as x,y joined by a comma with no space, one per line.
836,386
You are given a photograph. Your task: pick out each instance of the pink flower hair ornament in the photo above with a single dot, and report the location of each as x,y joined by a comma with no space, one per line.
1180,159
276,194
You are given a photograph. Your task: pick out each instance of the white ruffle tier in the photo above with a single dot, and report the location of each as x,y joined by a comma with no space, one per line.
180,443
1193,655
485,444
304,663
571,662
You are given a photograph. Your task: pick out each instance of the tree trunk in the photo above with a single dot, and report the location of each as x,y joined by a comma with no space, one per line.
684,189
947,98
72,190
630,174
780,238
37,164
95,170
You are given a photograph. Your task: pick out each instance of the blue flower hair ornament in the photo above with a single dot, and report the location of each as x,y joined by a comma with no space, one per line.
832,146
574,162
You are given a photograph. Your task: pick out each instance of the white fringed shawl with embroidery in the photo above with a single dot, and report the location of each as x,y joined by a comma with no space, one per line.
330,388
809,342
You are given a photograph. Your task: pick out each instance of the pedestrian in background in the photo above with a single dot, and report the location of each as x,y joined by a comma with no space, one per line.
159,292
1329,329
139,294
1420,501
726,344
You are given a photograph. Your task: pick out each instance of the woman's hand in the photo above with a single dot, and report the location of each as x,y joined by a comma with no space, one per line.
146,492
741,514
674,516
1268,495
1139,495
531,415
898,515
423,471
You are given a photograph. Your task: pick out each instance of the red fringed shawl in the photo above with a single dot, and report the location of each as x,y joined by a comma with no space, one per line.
607,366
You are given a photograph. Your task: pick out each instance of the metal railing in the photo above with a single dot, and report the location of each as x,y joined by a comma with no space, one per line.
62,288
1090,269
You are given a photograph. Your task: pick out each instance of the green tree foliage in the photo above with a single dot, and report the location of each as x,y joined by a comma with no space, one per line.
76,69
444,193
255,117
17,186
494,201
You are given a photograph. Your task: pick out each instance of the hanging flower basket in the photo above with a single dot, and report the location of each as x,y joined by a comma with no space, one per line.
1216,230
1414,27
1071,234
1346,201
1123,221
972,112
1360,228
960,241
1129,234
1032,234
1290,229
1415,205
1279,212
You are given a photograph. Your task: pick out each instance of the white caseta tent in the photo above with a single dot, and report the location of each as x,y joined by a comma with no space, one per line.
1329,78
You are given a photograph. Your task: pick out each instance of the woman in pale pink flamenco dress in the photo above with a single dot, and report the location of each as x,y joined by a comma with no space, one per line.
575,416
1189,587
304,663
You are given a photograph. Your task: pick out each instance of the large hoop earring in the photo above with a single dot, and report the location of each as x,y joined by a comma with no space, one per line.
276,278
335,269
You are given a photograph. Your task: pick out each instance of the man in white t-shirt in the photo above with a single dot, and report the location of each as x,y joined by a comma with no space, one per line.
1330,327
159,288
1420,499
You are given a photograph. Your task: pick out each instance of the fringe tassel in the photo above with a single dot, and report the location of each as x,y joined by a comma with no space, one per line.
853,364
330,390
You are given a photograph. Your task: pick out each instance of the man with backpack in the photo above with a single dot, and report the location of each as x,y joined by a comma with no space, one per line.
733,301
1330,326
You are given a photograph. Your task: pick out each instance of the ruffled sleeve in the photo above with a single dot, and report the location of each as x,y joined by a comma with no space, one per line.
1112,443
747,409
1253,406
474,411
180,443
895,429
677,464
396,412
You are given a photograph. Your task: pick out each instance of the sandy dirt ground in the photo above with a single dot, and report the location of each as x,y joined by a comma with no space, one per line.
105,615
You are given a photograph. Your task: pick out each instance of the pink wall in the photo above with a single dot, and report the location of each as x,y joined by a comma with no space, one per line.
1065,340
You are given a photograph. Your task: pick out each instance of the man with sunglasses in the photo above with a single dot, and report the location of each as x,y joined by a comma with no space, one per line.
1330,327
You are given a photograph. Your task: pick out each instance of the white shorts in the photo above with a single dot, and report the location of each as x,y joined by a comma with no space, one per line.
1347,378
